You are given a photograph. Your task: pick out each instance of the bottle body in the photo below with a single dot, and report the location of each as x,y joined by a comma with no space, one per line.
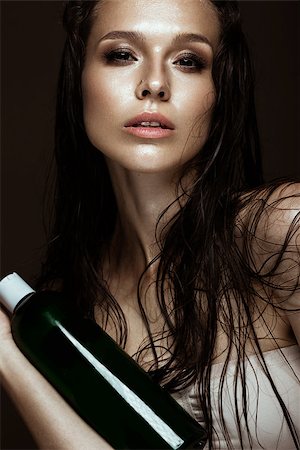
99,380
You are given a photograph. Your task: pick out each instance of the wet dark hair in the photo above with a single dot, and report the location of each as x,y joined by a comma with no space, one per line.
207,252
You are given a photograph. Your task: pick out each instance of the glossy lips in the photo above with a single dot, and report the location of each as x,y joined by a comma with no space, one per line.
150,125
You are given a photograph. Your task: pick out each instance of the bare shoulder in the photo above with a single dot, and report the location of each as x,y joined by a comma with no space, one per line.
269,238
272,213
284,201
268,232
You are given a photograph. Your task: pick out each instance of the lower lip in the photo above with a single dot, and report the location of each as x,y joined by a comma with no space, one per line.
149,132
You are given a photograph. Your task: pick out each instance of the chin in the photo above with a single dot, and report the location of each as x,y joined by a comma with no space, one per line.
143,166
145,159
151,168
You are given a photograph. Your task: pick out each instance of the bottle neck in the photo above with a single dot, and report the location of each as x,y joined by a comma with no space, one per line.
23,301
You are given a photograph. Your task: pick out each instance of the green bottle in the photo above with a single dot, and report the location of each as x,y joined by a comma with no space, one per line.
111,392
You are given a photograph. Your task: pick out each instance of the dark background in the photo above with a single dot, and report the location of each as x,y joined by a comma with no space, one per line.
31,46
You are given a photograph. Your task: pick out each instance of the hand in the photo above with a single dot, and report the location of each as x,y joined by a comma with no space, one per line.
5,330
7,343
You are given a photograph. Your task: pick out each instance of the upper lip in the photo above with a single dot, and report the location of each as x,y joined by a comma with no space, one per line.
150,117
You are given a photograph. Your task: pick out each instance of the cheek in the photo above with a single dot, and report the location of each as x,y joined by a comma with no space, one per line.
200,115
207,108
199,119
94,104
196,102
105,108
206,102
95,97
103,96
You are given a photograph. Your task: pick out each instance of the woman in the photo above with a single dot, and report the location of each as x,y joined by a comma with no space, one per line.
163,232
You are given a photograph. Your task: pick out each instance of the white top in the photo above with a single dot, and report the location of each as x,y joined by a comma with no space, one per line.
12,290
267,425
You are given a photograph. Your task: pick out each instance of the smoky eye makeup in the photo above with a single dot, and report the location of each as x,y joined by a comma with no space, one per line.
119,56
188,61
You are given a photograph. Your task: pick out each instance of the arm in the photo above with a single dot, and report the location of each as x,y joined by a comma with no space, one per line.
51,421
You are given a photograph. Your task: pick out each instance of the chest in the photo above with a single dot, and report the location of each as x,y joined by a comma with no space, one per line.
271,328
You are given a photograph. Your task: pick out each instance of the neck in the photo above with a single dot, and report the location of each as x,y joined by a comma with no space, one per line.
141,199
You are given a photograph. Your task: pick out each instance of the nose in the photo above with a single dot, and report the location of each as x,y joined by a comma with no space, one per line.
154,84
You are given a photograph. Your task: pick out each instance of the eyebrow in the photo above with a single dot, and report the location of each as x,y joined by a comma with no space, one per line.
136,35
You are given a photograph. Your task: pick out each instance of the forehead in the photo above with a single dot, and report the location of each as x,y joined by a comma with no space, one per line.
157,18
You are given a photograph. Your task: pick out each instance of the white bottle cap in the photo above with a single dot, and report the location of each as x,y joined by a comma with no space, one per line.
12,290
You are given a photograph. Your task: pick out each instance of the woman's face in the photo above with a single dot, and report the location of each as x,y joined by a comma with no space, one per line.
147,84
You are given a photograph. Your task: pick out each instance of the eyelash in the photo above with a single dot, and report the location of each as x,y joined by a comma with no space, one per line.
112,56
198,62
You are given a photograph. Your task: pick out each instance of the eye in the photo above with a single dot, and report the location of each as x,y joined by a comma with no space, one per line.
120,56
191,62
